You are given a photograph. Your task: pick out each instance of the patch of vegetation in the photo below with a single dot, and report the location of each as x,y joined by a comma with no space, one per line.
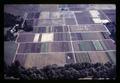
9,51
9,36
9,22
27,27
112,28
68,72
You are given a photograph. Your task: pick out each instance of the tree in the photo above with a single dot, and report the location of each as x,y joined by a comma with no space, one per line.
112,29
69,71
14,69
83,73
9,20
74,73
27,27
97,65
24,76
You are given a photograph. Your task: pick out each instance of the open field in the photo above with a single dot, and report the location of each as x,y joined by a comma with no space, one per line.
40,60
64,34
9,51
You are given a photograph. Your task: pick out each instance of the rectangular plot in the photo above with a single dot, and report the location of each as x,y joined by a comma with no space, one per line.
41,60
44,15
89,36
21,58
65,28
21,48
78,28
70,21
61,37
86,46
36,38
76,46
66,37
55,47
66,46
103,45
98,27
92,36
42,29
44,47
93,56
105,57
58,28
25,38
112,56
76,36
109,44
55,15
57,22
87,58
79,58
61,47
49,29
102,57
35,48
29,48
79,36
58,59
40,36
82,57
35,60
67,14
83,18
58,37
81,28
47,37
83,46
69,58
99,35
97,45
46,22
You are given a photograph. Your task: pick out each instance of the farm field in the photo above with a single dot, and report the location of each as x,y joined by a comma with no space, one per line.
64,34
40,60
